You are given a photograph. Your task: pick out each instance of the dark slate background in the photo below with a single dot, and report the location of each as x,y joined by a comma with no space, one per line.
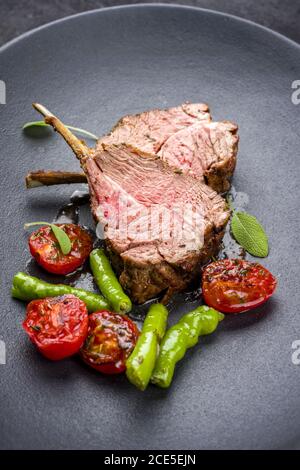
18,16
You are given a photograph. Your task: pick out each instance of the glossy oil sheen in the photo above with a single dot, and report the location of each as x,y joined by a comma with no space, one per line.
239,387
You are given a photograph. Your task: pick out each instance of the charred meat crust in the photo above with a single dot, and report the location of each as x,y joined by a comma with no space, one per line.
144,281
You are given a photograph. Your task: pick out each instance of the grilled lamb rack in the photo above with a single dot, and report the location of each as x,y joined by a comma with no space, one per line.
153,255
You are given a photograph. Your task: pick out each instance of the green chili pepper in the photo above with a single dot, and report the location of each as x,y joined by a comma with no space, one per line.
141,362
108,282
201,321
27,288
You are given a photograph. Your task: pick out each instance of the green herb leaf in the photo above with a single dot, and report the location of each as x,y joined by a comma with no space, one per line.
35,124
62,238
76,130
249,233
60,235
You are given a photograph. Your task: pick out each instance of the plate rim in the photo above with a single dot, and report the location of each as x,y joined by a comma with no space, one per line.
166,6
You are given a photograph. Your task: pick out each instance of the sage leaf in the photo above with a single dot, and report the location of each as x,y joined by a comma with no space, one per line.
60,235
76,130
250,234
62,238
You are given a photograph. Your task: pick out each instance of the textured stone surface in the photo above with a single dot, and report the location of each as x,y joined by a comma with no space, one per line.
18,16
238,388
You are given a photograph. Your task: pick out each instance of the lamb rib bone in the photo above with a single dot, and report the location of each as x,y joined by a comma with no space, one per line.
81,150
35,179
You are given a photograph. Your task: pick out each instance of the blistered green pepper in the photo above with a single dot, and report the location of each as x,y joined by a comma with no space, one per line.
28,288
108,282
201,321
140,364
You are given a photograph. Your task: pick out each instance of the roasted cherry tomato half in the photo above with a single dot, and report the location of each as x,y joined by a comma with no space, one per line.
58,326
110,340
235,285
45,248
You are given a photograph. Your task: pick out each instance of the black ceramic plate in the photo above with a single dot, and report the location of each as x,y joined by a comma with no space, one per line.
239,387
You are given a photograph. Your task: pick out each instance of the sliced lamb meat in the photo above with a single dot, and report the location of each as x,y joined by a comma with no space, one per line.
160,226
149,130
205,150
186,138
